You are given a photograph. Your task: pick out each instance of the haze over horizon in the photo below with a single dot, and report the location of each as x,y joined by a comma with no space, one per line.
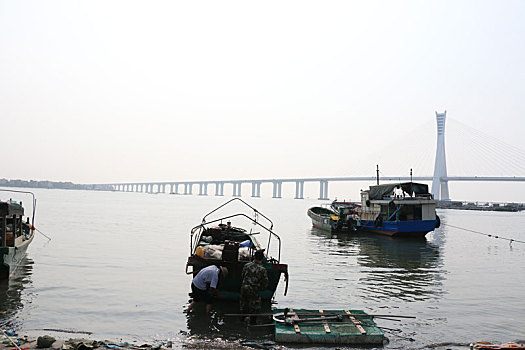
130,91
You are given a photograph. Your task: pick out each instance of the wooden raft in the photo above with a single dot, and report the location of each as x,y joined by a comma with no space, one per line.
326,327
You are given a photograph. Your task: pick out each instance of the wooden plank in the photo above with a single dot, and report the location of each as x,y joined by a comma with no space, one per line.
325,324
295,325
356,322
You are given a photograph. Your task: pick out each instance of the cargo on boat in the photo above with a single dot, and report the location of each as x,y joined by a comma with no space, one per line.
326,327
217,242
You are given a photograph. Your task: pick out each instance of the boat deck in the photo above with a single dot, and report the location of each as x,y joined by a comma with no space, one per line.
326,327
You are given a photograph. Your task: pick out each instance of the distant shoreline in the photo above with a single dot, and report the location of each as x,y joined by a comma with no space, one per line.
52,185
481,206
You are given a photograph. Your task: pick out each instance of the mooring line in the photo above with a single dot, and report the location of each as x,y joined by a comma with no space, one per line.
485,234
43,234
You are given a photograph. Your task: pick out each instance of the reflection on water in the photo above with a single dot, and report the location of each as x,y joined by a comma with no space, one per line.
11,289
217,325
408,270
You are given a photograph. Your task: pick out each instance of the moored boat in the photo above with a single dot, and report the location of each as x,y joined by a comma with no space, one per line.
16,233
400,209
339,216
323,218
218,242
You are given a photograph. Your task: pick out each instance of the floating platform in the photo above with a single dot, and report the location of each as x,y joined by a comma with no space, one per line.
326,327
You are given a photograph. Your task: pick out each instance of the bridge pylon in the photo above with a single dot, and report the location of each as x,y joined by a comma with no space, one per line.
439,186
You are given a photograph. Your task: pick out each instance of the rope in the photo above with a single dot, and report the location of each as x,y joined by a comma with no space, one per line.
43,234
485,234
10,339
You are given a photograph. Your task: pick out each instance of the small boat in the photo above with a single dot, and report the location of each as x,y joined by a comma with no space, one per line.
326,327
16,233
217,242
399,209
339,216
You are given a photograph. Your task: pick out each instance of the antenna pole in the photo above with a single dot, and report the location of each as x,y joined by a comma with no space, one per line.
410,174
377,173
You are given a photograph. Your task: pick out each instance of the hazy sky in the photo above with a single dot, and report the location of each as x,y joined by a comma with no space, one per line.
114,91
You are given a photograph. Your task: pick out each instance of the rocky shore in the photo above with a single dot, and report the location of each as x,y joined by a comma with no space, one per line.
48,342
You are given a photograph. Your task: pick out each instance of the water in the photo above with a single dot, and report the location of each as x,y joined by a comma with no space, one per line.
114,268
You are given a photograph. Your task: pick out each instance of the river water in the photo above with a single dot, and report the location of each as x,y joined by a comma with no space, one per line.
114,269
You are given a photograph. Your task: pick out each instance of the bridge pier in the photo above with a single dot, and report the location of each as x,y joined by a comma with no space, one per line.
277,188
188,188
219,189
299,189
323,190
237,189
203,189
256,189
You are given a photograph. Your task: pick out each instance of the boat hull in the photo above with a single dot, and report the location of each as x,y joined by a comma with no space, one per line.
10,257
230,286
323,222
400,228
327,220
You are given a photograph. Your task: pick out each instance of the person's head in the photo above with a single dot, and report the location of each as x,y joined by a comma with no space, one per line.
259,255
224,271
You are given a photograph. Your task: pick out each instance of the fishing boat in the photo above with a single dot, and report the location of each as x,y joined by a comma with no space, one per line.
217,242
404,209
339,216
323,218
16,233
326,327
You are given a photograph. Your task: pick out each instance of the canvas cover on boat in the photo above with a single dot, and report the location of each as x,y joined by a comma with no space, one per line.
381,191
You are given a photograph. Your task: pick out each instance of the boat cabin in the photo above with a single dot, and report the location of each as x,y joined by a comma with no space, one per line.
12,225
407,201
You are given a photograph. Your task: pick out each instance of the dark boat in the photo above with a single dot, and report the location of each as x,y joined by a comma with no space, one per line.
15,234
339,217
399,209
217,242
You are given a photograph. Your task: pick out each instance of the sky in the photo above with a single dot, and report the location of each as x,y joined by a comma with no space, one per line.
129,91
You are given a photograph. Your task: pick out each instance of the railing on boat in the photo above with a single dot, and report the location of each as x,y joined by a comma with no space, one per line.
34,203
200,228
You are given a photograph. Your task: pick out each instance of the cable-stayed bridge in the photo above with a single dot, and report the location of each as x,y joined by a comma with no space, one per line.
499,161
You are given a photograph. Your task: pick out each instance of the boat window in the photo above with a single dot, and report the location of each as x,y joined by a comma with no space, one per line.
410,212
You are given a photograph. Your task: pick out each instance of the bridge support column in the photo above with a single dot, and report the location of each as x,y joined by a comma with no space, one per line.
219,189
237,189
277,187
203,189
163,188
188,188
176,188
256,189
323,190
299,189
